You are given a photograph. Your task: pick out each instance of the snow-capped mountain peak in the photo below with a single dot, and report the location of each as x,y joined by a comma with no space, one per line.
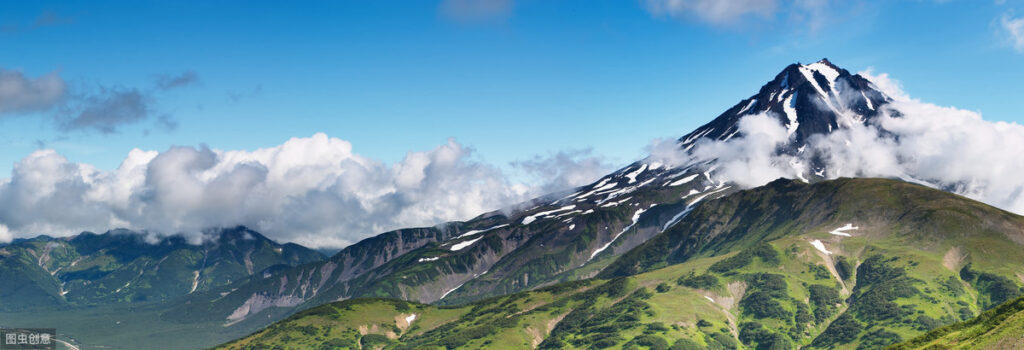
806,98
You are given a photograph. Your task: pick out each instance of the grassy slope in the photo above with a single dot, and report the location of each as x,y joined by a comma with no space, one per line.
913,284
591,313
998,328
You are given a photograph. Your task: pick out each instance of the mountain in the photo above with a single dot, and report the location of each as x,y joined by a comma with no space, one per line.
812,99
999,328
556,238
837,264
121,266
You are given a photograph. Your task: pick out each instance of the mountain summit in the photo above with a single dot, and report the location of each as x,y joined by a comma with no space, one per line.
808,99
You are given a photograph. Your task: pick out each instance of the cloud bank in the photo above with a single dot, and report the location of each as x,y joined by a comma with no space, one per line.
314,191
945,147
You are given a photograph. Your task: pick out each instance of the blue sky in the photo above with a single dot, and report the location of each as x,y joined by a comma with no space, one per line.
519,79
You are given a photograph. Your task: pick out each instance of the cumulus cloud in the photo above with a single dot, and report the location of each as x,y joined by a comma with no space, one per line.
944,147
475,10
565,169
314,191
1014,28
22,94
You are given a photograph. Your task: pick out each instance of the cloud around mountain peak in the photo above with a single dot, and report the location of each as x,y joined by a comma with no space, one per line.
944,147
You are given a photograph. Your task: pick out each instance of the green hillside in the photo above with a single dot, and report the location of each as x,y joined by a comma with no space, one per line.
998,328
768,268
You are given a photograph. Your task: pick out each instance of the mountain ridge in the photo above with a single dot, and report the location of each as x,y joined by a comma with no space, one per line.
90,269
843,278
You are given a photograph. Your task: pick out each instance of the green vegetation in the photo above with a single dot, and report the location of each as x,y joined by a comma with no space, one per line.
763,251
879,284
824,299
1000,327
994,289
705,281
843,330
718,280
844,268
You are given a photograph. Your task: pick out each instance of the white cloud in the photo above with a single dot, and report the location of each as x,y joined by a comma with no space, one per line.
565,169
21,94
749,161
314,191
886,85
5,234
1014,28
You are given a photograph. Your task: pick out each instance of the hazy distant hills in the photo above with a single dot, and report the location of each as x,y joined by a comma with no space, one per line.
121,267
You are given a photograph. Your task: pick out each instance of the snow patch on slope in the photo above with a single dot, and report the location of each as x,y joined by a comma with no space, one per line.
459,246
820,246
842,230
636,217
473,232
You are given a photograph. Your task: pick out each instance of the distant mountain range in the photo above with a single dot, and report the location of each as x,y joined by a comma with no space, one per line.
121,266
665,251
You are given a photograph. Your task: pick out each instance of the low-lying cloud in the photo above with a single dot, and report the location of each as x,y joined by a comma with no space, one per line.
946,147
315,191
565,169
